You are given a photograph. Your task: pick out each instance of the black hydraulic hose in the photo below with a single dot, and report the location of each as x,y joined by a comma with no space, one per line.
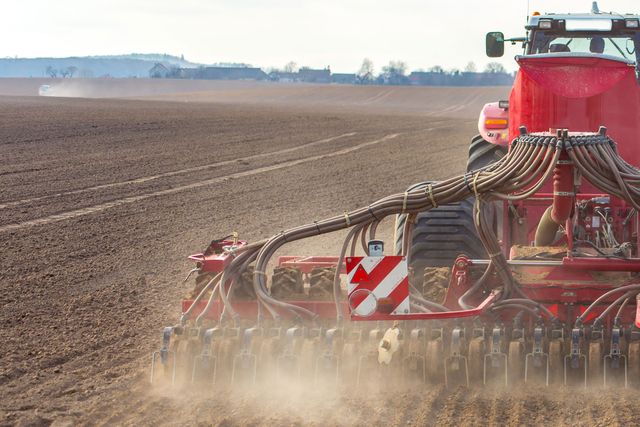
475,287
214,282
529,301
611,306
212,297
433,306
522,308
580,319
407,236
418,307
616,320
336,277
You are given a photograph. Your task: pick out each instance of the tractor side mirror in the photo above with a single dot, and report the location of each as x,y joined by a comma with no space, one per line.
495,44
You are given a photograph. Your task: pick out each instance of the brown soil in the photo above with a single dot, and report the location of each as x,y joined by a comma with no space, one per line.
102,200
436,282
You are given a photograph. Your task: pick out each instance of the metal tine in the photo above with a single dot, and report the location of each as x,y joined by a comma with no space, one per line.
206,358
246,356
615,356
164,353
495,355
288,354
572,360
456,357
534,356
611,358
328,358
416,339
374,336
537,353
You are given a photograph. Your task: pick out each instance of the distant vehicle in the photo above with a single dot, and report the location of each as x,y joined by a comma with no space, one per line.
43,90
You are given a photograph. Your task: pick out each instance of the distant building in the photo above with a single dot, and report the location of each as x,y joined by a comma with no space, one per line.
159,71
283,76
188,73
230,73
343,78
429,78
314,76
494,79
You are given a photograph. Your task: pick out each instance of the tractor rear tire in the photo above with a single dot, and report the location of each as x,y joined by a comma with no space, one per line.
286,282
443,233
321,283
483,153
243,290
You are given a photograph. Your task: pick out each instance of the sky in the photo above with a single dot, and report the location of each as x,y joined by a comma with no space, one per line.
314,33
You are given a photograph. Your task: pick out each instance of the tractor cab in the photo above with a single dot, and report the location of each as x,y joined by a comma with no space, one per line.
576,56
577,71
607,35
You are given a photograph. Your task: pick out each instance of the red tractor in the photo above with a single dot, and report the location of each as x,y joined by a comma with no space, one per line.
523,269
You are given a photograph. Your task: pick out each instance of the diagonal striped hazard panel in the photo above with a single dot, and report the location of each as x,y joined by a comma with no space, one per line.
378,284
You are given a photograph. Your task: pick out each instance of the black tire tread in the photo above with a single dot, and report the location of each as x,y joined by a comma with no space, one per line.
441,234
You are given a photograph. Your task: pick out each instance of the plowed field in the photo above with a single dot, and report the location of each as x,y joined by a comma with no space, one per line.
102,199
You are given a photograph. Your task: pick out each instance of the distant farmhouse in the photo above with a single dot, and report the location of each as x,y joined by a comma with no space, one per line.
283,76
160,71
344,78
314,76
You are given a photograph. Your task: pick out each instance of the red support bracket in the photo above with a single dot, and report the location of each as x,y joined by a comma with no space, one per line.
602,264
493,297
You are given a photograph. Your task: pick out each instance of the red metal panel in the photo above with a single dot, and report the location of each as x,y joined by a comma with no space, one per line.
579,94
217,256
602,264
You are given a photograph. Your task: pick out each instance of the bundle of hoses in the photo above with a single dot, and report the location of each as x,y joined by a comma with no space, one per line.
529,163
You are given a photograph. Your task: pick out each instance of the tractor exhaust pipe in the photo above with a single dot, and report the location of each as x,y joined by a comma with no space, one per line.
563,202
547,229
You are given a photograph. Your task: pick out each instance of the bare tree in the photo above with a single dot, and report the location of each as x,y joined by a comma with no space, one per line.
51,72
395,73
470,67
436,69
365,75
291,67
72,69
495,67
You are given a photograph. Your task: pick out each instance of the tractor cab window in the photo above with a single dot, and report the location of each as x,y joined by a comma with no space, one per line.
624,46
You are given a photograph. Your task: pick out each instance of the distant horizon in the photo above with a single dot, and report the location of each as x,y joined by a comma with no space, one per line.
314,33
186,60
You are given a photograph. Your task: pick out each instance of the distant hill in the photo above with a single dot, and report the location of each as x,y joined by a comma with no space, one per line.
130,65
